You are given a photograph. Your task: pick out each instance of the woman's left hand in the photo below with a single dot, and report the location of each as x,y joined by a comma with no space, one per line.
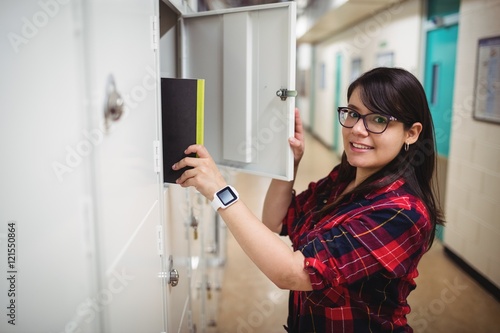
205,176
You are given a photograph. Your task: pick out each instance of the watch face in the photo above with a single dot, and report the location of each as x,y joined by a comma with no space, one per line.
227,196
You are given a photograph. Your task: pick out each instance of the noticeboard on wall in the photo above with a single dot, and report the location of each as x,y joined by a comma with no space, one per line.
385,59
356,68
487,85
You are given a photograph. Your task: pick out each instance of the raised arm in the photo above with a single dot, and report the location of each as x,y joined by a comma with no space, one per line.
279,193
273,257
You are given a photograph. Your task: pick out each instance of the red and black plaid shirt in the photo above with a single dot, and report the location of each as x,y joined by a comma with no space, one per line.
361,258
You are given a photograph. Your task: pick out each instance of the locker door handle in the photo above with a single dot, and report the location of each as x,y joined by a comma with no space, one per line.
174,277
114,103
284,93
171,277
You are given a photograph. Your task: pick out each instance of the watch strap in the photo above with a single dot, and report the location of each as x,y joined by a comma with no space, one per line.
216,203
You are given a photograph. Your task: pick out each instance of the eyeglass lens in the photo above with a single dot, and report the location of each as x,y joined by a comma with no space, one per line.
373,122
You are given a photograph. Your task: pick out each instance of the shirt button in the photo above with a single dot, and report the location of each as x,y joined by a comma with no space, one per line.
325,201
307,263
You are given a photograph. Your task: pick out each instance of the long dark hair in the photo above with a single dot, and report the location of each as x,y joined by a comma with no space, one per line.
396,92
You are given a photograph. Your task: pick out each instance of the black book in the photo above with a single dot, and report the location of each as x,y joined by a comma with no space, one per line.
182,107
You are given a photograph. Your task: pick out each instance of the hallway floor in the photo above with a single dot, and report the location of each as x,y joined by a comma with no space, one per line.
446,299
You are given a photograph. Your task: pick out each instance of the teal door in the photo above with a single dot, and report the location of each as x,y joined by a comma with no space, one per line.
439,86
439,81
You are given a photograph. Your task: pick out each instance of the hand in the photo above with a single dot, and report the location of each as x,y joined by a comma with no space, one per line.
205,176
297,142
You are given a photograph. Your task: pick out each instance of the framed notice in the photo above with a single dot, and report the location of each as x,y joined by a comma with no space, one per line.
385,59
487,85
356,69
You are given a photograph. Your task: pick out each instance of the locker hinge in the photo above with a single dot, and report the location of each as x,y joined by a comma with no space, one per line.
156,154
155,31
159,239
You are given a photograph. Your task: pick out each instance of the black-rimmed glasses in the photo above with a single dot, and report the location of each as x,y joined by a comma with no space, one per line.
374,122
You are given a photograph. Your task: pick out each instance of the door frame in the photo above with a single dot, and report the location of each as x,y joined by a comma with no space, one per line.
442,161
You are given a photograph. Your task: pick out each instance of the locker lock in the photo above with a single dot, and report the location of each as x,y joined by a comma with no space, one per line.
114,103
284,93
172,276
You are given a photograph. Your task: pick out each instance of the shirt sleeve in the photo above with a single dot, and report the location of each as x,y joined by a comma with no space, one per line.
387,238
296,208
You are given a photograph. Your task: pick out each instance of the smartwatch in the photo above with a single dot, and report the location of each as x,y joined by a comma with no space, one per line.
224,198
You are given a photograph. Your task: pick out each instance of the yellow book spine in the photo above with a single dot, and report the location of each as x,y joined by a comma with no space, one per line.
200,111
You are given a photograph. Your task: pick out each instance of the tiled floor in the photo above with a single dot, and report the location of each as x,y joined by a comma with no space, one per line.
446,299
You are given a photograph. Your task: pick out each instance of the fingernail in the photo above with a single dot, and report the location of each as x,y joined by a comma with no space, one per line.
173,166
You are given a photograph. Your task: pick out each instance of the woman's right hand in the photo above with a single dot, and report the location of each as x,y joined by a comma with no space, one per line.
297,141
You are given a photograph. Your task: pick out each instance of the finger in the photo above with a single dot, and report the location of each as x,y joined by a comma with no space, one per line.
299,128
298,139
294,143
297,148
185,162
187,182
298,120
185,177
199,150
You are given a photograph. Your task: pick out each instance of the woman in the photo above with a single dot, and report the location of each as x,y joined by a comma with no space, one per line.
359,233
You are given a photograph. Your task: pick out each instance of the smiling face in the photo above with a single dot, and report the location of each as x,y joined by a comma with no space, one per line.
369,152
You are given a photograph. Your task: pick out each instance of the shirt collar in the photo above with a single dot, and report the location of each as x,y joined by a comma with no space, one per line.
385,189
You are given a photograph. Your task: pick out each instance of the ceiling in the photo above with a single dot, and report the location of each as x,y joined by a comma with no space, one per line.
322,19
316,19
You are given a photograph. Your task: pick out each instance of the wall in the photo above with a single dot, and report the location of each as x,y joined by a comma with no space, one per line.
473,180
304,53
396,29
473,191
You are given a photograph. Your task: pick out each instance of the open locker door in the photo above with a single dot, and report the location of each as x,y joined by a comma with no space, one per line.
247,58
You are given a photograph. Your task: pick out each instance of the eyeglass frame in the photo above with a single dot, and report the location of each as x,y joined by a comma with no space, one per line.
390,118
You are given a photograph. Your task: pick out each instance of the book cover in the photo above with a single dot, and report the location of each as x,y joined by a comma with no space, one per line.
182,105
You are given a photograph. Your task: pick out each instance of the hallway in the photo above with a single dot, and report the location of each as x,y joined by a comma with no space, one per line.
446,299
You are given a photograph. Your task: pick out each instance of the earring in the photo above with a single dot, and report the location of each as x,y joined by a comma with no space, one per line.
407,146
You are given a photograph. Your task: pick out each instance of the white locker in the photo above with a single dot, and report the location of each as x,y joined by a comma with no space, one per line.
89,235
48,280
80,196
246,57
121,59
